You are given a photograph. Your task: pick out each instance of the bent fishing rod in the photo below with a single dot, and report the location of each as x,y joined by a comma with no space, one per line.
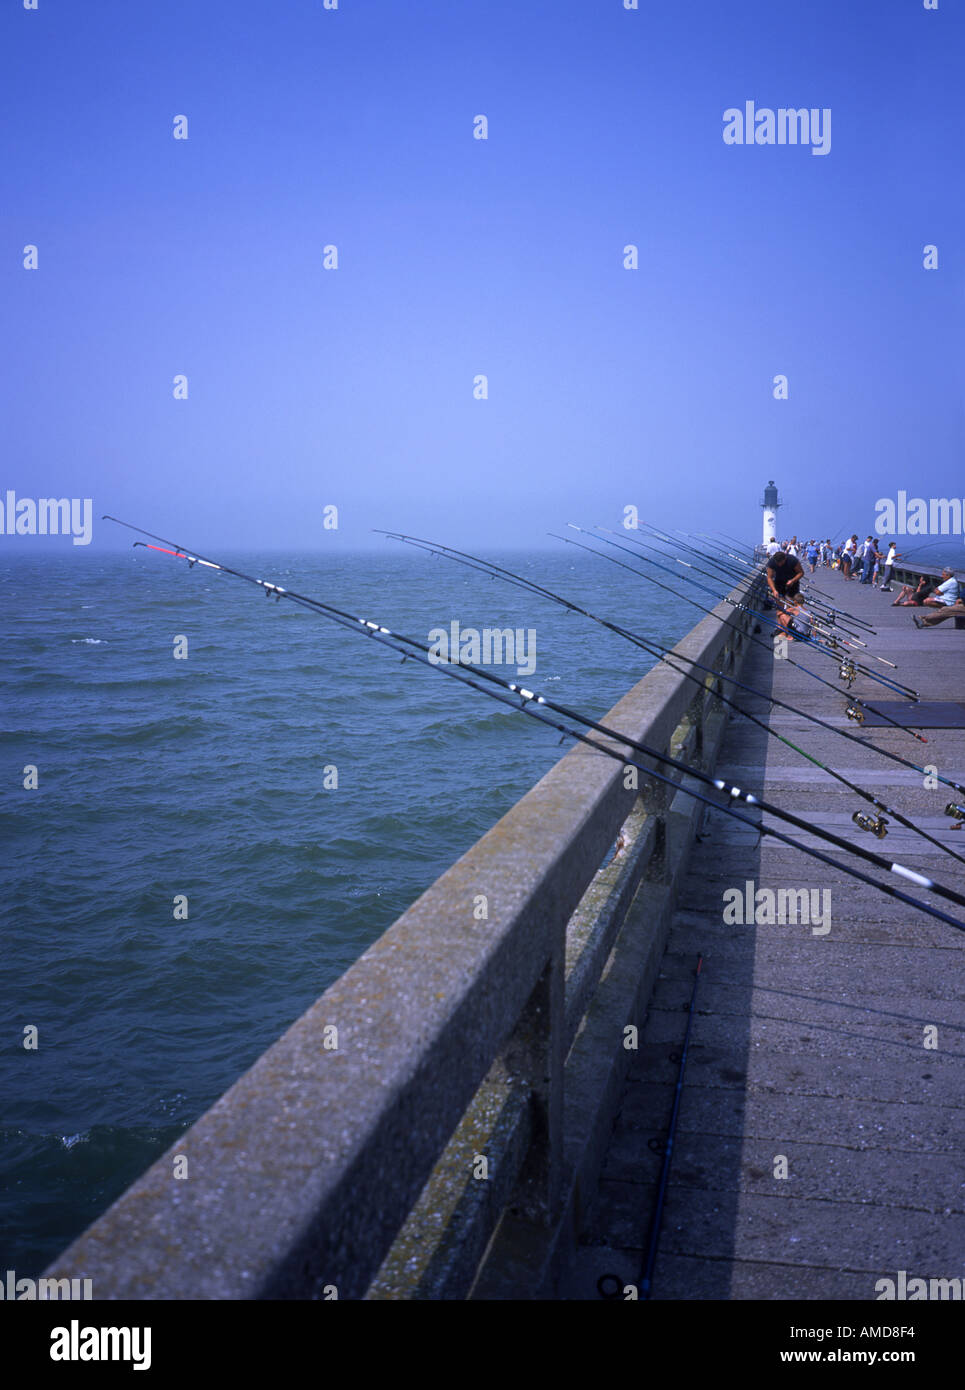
876,826
823,624
534,704
748,551
740,568
832,614
848,674
823,600
819,646
855,707
832,639
817,598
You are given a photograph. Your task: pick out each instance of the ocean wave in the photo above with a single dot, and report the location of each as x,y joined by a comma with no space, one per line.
88,641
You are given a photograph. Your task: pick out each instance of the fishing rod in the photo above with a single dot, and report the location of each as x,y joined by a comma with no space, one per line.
823,599
824,620
856,707
719,548
740,575
703,547
529,700
875,825
834,614
825,650
762,617
741,545
832,638
848,670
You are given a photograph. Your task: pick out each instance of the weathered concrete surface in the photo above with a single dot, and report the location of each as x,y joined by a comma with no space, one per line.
807,1046
301,1177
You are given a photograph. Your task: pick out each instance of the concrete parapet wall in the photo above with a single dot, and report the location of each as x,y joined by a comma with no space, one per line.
353,1170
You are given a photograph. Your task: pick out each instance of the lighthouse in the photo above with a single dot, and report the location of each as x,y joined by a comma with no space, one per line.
770,505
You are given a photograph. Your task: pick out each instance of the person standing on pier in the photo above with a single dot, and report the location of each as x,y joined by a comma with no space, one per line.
890,559
915,597
867,559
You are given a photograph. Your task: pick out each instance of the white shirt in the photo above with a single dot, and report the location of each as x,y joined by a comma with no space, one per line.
773,547
892,551
948,591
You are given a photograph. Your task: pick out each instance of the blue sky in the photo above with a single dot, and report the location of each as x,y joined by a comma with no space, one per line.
354,387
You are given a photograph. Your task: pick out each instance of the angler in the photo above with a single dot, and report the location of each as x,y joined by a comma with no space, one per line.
533,704
827,649
856,704
834,615
762,617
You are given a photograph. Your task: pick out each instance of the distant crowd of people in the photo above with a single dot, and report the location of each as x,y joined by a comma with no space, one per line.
869,563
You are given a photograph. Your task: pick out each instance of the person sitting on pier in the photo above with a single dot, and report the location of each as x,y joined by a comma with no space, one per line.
941,615
914,597
946,593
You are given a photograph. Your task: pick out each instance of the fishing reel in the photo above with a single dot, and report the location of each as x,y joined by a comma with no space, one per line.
957,813
848,672
876,825
855,712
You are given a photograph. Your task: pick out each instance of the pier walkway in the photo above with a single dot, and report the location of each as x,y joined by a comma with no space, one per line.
840,1053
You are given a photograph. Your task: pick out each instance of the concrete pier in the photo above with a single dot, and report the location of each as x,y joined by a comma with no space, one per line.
475,1109
837,1058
